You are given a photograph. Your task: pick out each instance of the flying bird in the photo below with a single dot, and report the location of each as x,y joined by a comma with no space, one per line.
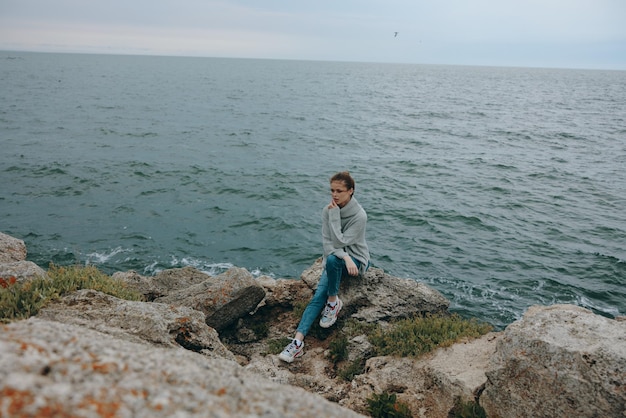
395,34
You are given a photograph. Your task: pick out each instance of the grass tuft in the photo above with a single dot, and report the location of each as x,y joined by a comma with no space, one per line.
276,346
416,336
467,409
21,300
351,370
338,349
385,405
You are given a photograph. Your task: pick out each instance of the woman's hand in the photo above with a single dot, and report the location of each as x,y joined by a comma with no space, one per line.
351,266
332,205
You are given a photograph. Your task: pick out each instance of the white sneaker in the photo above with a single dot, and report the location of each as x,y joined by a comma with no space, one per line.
291,352
330,314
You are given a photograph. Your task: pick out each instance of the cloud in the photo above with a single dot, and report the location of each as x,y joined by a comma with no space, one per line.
176,27
447,31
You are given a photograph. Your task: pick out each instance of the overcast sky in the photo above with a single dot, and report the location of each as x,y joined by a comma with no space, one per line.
529,33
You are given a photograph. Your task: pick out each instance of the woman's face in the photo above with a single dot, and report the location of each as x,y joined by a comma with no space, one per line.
340,193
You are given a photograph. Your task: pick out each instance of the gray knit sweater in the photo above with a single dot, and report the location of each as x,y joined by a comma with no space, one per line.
343,233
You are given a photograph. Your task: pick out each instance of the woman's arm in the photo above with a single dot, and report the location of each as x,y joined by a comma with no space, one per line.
353,232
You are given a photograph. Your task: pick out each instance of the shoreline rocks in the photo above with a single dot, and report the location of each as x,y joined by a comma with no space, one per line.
155,323
198,346
49,368
561,360
13,260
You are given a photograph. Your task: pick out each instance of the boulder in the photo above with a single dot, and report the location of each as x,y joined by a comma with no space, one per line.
48,368
11,249
283,293
155,323
312,372
558,361
21,270
429,386
223,299
164,282
377,296
374,297
13,262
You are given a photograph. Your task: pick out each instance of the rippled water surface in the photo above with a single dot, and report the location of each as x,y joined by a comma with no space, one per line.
500,187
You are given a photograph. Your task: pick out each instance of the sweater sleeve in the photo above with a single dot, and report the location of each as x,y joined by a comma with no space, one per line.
327,241
335,240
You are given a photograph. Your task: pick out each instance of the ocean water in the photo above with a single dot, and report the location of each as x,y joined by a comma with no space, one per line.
500,187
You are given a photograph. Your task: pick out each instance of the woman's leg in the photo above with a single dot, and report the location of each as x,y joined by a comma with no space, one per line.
315,306
335,270
327,288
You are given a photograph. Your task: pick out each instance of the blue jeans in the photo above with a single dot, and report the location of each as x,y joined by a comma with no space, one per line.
328,285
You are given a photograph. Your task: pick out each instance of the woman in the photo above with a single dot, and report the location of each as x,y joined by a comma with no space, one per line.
345,253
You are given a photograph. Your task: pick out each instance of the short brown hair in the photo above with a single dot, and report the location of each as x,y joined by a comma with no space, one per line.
345,177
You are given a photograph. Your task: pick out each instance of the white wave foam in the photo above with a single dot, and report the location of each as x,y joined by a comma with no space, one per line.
212,269
101,258
151,269
258,273
587,303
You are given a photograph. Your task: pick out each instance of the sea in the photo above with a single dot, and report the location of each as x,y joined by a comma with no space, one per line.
501,188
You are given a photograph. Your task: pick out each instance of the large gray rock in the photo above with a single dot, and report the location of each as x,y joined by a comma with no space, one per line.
558,361
312,372
11,249
21,270
13,262
429,386
374,297
164,282
156,323
378,296
223,299
52,369
283,293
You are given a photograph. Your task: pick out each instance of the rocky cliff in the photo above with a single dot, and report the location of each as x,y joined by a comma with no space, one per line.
200,346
